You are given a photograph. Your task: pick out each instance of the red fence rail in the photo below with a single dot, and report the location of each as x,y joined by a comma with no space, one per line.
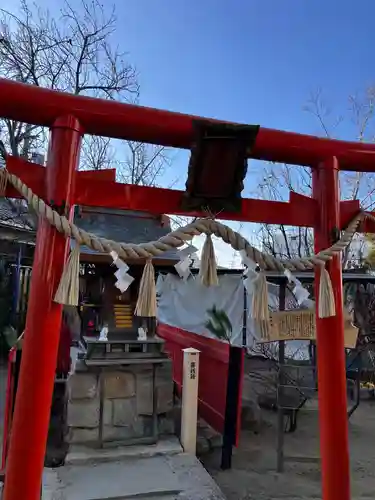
213,372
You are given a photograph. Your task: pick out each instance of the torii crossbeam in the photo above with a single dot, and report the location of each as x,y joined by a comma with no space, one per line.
60,185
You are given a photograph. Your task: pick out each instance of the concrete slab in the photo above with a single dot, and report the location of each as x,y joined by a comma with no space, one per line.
195,481
50,485
176,477
118,480
81,455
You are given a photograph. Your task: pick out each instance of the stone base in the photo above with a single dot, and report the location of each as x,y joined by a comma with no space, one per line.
117,404
207,438
84,455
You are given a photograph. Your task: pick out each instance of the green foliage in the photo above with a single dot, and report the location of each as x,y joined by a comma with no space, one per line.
219,324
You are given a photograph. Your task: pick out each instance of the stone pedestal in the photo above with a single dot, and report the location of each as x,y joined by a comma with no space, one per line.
120,404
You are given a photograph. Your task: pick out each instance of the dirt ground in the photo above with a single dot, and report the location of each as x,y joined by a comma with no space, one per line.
254,476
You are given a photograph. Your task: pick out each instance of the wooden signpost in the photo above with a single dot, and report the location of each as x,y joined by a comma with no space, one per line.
300,324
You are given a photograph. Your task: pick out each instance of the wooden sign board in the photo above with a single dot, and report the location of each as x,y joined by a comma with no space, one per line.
300,325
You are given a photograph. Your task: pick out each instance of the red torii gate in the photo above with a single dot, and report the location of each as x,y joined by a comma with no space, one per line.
69,117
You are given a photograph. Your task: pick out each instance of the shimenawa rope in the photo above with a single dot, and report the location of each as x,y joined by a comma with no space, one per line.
67,292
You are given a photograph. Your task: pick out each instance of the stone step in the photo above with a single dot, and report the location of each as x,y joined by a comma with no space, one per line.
143,478
178,477
152,496
82,455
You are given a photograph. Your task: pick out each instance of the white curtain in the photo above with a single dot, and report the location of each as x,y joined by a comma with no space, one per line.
184,304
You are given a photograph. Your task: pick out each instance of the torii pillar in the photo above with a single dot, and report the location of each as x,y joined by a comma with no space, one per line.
25,461
333,420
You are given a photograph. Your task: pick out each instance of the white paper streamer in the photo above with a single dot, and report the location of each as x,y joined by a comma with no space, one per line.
124,280
299,291
250,265
183,266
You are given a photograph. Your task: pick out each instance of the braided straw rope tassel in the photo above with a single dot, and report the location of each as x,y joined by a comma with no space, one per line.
259,306
326,302
68,290
146,303
208,269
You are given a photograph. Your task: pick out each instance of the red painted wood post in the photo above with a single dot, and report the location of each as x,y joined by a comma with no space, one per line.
9,395
334,442
33,404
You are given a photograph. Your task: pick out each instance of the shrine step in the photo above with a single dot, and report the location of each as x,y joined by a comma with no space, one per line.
123,315
179,477
127,479
83,455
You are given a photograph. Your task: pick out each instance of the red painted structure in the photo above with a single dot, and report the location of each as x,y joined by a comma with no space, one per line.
213,359
43,321
70,116
9,399
330,339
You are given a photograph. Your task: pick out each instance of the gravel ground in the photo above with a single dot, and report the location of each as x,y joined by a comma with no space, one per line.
253,473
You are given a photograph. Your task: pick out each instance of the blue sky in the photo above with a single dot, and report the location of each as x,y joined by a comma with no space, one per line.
252,61
249,60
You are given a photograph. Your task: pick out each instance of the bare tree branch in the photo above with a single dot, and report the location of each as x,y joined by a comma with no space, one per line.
73,51
278,180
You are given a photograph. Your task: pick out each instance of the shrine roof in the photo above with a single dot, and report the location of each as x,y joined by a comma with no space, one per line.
124,226
17,223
